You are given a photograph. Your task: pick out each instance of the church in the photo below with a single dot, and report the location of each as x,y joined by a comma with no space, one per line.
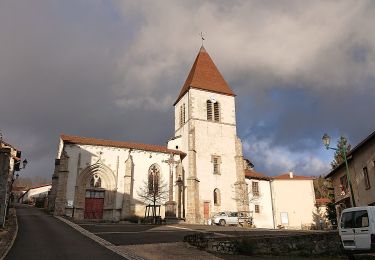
202,165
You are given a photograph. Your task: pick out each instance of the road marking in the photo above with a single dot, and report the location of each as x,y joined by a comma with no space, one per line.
126,254
132,232
181,228
202,231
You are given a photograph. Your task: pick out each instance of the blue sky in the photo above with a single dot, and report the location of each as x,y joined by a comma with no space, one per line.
112,70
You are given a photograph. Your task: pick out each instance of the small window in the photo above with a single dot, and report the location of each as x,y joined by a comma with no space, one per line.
182,115
366,178
255,188
209,110
217,199
257,209
343,185
216,164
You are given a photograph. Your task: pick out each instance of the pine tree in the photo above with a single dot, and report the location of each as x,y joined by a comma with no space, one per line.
330,207
320,187
338,157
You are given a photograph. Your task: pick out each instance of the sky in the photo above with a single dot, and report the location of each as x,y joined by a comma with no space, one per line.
113,69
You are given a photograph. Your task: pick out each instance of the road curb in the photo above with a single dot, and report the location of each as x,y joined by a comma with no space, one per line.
127,255
13,238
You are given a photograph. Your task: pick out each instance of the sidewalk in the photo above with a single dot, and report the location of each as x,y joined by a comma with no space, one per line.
8,233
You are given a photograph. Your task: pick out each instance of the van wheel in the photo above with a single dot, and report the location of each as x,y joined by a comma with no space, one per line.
222,222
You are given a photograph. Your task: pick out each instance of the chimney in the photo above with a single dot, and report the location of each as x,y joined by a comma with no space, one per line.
291,174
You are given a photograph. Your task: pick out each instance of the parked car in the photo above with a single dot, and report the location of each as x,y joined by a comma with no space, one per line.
225,218
357,229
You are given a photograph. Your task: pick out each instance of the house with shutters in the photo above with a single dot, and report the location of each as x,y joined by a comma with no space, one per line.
202,163
361,164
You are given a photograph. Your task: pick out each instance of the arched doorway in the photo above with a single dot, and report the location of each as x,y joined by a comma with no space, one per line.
94,199
95,193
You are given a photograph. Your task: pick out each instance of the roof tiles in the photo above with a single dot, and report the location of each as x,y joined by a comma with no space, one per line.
101,142
205,75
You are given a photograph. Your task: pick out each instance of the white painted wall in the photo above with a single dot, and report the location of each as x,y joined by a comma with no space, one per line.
263,219
35,192
297,199
142,160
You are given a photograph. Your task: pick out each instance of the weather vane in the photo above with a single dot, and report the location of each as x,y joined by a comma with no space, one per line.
201,34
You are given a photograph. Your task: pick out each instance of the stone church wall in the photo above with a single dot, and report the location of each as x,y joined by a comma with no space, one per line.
83,156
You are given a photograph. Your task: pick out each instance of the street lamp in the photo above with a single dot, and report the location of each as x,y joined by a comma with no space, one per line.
343,152
24,163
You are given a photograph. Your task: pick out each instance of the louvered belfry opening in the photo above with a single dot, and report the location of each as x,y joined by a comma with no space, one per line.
209,110
216,112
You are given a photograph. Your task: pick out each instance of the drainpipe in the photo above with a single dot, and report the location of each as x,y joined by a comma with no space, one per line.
273,212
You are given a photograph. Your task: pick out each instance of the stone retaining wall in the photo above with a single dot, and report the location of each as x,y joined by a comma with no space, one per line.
320,243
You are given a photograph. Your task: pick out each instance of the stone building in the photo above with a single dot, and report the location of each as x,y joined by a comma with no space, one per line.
202,163
361,163
9,163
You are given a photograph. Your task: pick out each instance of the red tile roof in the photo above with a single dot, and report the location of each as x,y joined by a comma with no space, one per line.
256,175
101,142
205,75
286,176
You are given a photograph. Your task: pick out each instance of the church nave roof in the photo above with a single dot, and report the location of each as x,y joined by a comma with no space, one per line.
71,139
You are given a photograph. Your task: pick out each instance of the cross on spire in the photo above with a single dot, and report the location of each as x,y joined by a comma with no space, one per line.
201,34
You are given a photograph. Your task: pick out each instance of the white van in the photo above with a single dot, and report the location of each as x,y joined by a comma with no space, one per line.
357,228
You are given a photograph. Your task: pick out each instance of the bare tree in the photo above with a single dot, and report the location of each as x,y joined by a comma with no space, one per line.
154,191
244,196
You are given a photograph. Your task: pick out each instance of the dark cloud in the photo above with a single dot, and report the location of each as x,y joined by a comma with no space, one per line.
113,69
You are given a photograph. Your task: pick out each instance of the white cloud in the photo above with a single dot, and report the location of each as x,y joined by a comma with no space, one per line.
310,42
280,159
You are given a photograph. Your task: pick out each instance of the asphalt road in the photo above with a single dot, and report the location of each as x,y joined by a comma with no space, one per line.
133,234
41,236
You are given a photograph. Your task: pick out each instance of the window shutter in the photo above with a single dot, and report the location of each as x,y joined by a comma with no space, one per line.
217,111
209,110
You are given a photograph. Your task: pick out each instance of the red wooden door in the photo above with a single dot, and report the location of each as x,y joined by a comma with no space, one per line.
206,210
94,208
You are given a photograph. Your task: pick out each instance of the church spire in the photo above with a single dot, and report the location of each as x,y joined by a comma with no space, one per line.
204,75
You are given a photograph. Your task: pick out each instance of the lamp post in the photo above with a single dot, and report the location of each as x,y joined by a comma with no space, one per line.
343,152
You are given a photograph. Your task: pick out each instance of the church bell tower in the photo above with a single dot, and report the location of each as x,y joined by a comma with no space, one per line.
205,129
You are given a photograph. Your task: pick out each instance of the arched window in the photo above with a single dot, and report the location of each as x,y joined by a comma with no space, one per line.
209,110
216,112
153,179
217,197
96,181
